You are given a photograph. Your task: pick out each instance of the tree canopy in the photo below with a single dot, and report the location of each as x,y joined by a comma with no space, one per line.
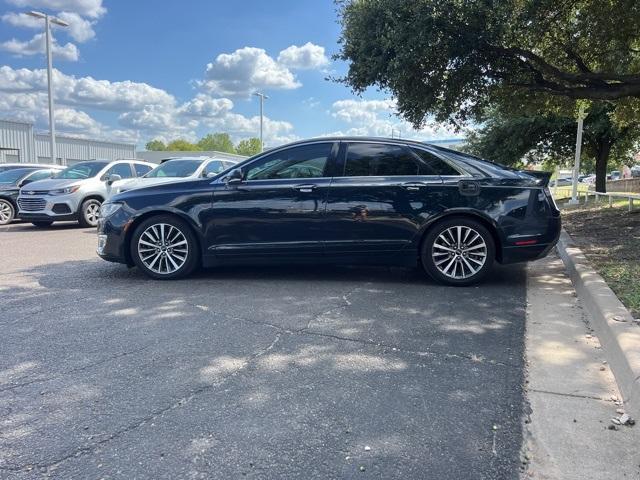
219,142
452,58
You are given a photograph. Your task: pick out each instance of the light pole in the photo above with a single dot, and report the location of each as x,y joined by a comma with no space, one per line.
576,167
48,20
262,99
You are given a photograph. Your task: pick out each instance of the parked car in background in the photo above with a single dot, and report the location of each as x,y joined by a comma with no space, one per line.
338,200
10,183
562,182
10,166
614,175
76,192
181,168
635,171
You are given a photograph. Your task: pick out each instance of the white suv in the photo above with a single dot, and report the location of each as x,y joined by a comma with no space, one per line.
76,192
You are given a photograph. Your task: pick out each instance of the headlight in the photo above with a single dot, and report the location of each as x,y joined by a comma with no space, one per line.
64,191
108,209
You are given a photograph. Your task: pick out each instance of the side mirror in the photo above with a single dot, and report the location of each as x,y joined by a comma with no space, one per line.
211,174
24,182
235,177
114,177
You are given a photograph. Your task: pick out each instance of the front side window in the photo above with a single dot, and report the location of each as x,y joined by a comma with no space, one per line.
305,161
12,176
81,170
122,169
380,160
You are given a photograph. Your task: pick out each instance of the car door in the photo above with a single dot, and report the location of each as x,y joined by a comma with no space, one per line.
277,208
379,201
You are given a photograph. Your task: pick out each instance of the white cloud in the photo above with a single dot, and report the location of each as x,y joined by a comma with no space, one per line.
37,46
80,29
85,91
159,122
87,8
22,20
378,118
205,106
245,71
308,56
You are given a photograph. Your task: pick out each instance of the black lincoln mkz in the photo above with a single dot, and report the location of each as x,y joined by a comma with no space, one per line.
341,200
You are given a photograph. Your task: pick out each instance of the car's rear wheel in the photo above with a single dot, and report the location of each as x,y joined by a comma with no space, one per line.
458,251
164,247
43,224
89,213
7,212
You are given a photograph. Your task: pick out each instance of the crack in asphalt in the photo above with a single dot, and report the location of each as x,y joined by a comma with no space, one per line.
572,395
50,466
71,371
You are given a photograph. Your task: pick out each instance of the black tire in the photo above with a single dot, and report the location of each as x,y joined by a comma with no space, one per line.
7,212
89,212
165,226
451,261
43,224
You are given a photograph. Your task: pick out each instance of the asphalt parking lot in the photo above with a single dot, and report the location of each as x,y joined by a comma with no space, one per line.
290,372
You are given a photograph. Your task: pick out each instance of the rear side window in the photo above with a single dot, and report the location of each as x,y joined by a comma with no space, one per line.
141,169
380,160
435,165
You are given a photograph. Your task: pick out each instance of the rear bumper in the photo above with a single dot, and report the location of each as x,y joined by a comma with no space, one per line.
526,253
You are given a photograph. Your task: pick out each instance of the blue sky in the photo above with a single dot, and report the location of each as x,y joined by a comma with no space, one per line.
137,70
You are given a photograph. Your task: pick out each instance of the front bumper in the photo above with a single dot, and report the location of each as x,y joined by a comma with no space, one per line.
48,207
112,238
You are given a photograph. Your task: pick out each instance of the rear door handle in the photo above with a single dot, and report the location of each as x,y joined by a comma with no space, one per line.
413,186
305,188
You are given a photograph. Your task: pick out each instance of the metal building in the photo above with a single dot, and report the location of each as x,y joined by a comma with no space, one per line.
19,143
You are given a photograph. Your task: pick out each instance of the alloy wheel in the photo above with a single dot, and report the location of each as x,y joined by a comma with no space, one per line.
459,252
163,248
6,212
92,213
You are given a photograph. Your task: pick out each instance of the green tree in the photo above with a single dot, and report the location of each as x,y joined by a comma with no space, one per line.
182,145
550,138
248,146
156,145
451,58
220,142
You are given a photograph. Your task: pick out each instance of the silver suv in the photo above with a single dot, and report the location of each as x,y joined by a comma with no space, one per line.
76,192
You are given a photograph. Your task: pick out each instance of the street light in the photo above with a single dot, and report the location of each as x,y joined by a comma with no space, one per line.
576,167
47,29
262,99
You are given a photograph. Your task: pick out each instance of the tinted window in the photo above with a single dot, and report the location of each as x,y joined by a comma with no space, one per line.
12,176
175,168
122,169
215,166
307,161
141,169
81,170
435,165
377,159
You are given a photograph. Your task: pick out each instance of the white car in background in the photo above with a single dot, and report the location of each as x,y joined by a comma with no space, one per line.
174,169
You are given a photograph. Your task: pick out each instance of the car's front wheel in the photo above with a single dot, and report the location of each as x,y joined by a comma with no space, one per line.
89,213
458,251
164,247
7,212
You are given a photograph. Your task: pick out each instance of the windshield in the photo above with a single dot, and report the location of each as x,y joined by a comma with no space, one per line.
81,170
175,168
12,176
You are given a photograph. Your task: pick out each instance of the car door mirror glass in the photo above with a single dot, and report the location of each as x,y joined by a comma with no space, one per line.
235,176
211,174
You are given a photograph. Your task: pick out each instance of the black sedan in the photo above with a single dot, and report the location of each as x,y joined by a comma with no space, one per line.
10,183
341,200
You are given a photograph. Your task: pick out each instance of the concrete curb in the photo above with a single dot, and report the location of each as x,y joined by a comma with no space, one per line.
612,322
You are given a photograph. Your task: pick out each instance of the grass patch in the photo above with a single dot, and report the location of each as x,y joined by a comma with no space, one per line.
610,239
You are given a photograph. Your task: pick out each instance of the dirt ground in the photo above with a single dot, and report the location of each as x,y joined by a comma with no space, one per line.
610,238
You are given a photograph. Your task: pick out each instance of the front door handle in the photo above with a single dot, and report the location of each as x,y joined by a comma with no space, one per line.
414,186
305,188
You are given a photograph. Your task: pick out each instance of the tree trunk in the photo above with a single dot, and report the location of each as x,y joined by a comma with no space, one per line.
602,159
